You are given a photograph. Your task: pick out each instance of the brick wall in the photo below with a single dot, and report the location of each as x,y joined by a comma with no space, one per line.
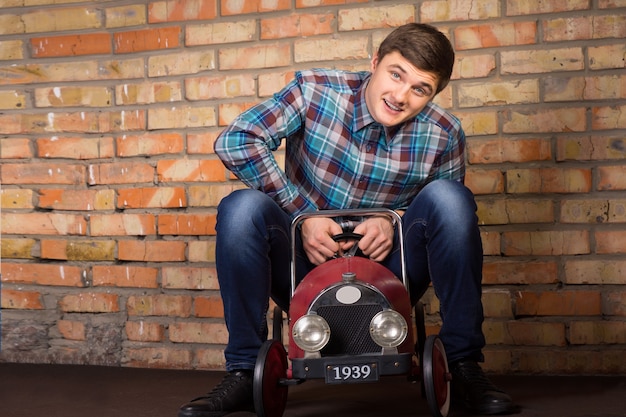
108,111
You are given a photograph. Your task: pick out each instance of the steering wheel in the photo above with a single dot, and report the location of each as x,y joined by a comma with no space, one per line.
347,236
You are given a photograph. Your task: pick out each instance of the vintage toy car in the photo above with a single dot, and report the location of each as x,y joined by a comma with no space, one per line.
350,321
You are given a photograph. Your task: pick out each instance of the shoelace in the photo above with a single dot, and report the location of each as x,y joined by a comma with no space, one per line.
473,375
223,388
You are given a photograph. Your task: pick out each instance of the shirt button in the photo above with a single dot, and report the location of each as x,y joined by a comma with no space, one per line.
368,147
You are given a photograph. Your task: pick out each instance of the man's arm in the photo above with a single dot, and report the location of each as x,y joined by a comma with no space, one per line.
246,147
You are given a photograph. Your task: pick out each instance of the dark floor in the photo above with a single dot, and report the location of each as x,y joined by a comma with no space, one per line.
88,391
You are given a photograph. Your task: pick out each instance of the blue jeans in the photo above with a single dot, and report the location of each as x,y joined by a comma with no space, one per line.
443,246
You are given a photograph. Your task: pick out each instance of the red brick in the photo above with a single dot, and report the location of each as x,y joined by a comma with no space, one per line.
18,248
121,173
613,303
255,57
15,148
81,200
520,272
149,144
159,305
146,40
186,224
43,224
611,178
75,148
597,333
546,243
545,121
151,251
495,35
43,173
21,300
531,333
186,277
549,180
71,45
496,151
181,10
209,307
230,8
515,8
43,274
594,271
191,332
71,329
608,117
144,331
557,303
16,198
83,250
297,25
201,142
124,276
90,302
186,170
229,111
152,197
157,357
610,241
484,181
126,224
302,4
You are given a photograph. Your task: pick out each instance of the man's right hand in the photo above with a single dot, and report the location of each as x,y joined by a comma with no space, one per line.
317,233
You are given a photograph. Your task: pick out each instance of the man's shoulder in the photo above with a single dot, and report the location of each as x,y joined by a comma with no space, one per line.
436,114
342,81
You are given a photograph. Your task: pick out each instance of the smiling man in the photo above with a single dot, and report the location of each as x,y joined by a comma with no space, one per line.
353,140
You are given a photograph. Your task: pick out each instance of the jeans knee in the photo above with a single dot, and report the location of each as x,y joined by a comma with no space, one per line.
237,209
450,197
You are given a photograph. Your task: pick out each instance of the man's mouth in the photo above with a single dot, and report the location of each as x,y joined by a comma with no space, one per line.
392,106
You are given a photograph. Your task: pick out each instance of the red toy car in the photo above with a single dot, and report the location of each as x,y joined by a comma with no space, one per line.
350,321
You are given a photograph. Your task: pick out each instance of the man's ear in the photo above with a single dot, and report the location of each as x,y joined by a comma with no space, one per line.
374,62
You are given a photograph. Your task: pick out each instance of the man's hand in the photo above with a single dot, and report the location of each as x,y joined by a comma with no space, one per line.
377,240
317,233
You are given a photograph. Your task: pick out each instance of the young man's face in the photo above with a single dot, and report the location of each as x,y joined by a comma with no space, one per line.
397,90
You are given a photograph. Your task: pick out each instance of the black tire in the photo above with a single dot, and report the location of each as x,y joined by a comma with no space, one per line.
436,377
277,324
270,396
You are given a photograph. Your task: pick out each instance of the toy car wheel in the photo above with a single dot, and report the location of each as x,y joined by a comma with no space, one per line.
277,324
436,377
270,397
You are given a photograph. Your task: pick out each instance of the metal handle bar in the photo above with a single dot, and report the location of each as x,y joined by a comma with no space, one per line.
346,213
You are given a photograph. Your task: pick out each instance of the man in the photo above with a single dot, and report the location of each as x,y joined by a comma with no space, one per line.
353,140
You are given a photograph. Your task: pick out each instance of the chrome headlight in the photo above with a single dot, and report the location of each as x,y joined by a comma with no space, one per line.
311,333
388,329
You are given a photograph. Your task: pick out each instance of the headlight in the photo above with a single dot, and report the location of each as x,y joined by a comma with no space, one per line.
388,329
311,333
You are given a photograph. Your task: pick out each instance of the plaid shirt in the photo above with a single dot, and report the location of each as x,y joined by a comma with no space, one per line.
337,156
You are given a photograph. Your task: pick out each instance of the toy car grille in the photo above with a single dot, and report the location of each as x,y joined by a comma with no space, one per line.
349,328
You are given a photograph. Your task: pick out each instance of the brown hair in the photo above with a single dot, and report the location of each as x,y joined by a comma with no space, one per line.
425,47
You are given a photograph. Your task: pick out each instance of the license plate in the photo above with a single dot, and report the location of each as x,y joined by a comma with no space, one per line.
351,373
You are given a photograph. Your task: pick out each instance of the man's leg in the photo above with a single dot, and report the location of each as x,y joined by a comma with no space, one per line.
252,260
443,245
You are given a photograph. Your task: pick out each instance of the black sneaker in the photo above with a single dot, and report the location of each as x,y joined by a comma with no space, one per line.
233,394
472,387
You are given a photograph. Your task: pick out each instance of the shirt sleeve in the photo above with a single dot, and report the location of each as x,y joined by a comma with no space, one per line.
451,163
246,147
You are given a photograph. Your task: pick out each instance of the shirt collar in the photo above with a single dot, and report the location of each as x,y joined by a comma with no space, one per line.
362,116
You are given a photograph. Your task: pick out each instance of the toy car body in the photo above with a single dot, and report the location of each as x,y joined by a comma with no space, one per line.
350,321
